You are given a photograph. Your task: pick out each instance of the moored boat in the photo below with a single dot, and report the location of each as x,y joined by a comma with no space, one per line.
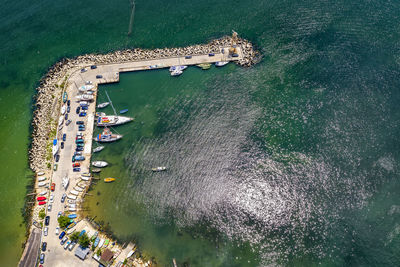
174,68
86,174
96,170
221,63
100,163
204,66
107,136
63,109
131,252
112,120
41,184
176,73
99,114
42,203
41,179
60,120
84,88
103,105
40,173
159,169
85,178
96,242
43,193
85,97
109,180
98,149
40,198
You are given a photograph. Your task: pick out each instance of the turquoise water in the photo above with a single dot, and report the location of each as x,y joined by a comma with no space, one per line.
293,162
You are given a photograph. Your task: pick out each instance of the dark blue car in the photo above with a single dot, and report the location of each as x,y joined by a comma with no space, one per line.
77,169
85,107
64,137
82,114
61,235
78,109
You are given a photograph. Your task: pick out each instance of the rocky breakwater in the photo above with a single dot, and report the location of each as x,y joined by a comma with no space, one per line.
49,92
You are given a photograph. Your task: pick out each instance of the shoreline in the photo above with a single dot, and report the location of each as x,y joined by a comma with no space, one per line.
57,80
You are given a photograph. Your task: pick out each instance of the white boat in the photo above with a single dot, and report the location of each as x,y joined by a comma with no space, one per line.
131,252
176,73
40,173
77,188
99,164
98,149
86,174
179,68
84,88
112,120
55,147
63,109
71,209
85,97
100,114
72,197
70,231
221,63
40,179
107,136
101,242
103,105
76,193
65,182
159,169
41,184
80,187
60,120
43,193
85,178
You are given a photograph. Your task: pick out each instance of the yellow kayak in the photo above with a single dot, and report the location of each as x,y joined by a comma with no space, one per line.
109,180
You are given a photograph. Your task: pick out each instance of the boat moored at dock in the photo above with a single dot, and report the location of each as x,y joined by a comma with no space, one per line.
98,149
100,164
103,105
112,120
221,63
107,136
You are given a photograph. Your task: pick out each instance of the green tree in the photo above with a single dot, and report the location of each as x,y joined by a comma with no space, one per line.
42,214
98,252
74,237
63,221
84,240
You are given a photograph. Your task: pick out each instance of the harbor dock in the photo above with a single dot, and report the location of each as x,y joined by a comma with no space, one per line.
64,80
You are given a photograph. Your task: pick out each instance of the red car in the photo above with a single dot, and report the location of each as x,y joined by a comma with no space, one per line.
75,165
53,186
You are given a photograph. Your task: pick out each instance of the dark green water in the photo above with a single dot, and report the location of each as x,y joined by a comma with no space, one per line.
293,162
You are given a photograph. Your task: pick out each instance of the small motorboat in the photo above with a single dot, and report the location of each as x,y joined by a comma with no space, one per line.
98,149
159,169
86,174
84,178
65,97
103,105
96,170
43,193
96,242
41,198
221,63
109,180
72,216
41,179
107,136
131,252
60,120
63,109
42,203
85,97
174,68
40,173
123,111
100,114
204,66
65,182
84,88
101,243
100,164
176,73
41,184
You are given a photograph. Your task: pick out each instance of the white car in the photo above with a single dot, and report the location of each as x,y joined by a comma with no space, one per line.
51,198
49,207
45,231
57,230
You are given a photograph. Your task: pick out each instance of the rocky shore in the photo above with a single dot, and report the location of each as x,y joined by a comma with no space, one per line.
48,98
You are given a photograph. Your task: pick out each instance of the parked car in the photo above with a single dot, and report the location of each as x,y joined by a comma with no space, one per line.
81,128
79,141
63,198
51,198
188,57
53,186
76,169
82,114
67,244
44,246
47,220
68,109
79,158
66,116
80,122
68,103
55,167
211,54
71,246
85,108
79,148
77,153
76,165
83,70
62,145
57,158
57,230
78,109
80,145
61,235
68,122
99,76
59,214
45,231
49,207
64,240
64,137
41,259
93,67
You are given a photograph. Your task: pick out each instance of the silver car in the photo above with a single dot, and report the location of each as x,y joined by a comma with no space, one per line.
45,231
49,207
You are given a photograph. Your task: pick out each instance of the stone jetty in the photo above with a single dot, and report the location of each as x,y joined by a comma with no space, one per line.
48,98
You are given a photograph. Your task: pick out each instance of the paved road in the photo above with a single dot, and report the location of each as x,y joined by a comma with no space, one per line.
30,255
